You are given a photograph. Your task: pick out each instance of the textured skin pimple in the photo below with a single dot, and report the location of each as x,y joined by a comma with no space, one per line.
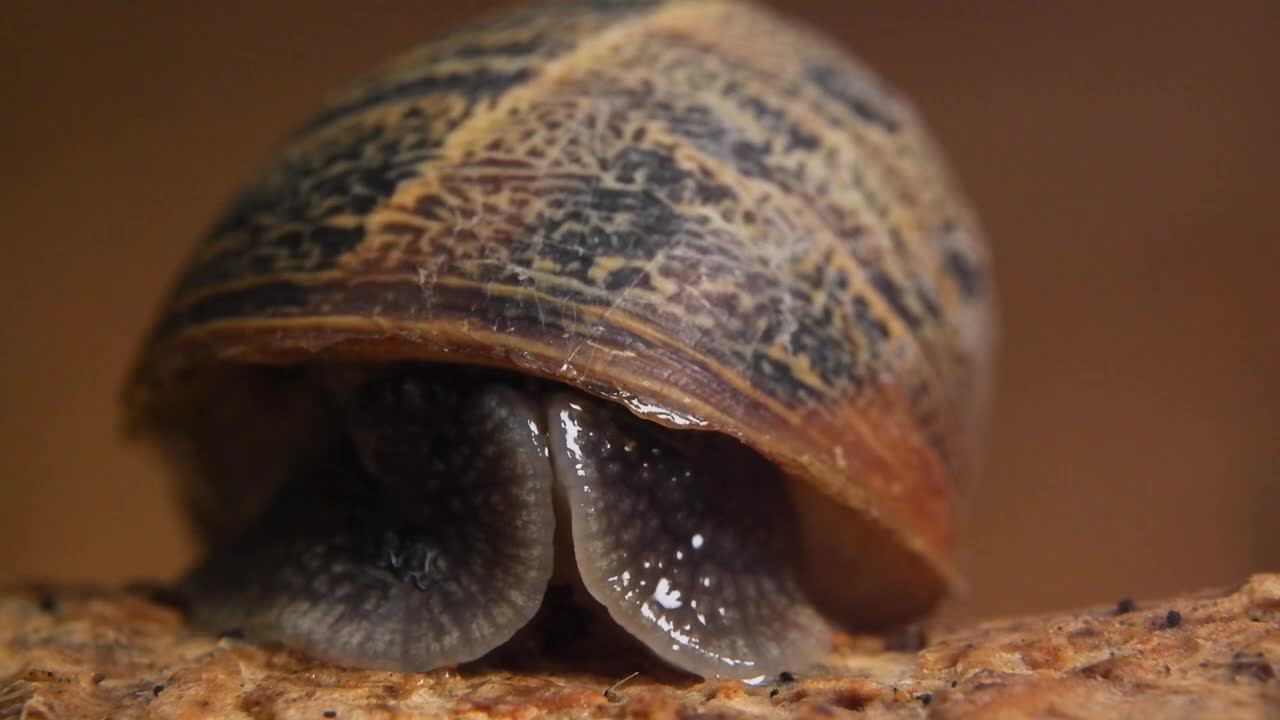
692,207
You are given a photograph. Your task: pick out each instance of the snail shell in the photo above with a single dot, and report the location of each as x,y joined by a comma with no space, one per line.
674,302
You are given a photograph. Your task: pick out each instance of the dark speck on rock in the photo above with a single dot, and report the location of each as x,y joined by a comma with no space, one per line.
925,698
331,713
1173,619
786,677
1252,665
157,689
611,692
48,603
1126,605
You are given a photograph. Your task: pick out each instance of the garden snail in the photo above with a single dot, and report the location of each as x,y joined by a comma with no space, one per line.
671,302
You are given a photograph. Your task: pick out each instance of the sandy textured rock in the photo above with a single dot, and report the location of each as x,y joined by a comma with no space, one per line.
68,653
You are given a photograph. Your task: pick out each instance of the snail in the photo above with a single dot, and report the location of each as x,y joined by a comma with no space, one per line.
673,303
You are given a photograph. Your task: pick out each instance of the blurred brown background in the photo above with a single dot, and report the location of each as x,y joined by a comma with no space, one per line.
1125,157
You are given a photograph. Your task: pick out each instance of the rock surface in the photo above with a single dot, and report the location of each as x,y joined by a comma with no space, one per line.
71,653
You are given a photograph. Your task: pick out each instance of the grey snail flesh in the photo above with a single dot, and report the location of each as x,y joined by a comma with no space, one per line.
434,539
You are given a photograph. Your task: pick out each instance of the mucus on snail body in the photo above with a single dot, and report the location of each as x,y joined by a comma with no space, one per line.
669,303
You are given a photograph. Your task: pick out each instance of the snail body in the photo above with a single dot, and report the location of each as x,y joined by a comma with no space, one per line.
674,302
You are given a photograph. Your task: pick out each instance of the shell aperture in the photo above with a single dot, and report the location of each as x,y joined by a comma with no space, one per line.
436,544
